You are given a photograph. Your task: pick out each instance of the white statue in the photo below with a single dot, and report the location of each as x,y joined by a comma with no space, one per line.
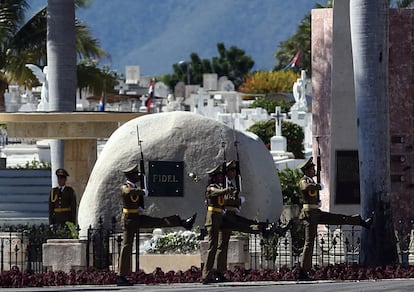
173,103
300,88
42,77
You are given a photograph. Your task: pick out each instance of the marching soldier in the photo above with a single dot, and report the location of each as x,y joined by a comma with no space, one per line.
62,201
221,219
132,219
311,215
233,221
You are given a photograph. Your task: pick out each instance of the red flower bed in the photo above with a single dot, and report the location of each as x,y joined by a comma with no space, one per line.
17,279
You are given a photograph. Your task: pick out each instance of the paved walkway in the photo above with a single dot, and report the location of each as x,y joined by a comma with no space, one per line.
395,285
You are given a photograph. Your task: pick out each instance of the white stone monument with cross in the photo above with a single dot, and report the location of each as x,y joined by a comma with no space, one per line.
278,143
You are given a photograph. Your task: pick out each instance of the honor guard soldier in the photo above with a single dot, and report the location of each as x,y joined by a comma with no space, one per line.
133,219
311,215
221,218
234,222
62,201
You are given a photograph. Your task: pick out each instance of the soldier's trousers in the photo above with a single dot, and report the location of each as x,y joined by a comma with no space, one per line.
130,225
232,221
311,219
213,228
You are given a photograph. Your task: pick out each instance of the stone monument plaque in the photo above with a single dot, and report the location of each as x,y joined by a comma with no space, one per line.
166,178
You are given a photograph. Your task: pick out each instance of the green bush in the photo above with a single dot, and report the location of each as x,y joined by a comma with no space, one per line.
34,164
270,104
293,133
289,182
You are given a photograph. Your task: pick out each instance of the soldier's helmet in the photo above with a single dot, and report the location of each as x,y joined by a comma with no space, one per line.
308,163
134,169
231,164
62,172
216,170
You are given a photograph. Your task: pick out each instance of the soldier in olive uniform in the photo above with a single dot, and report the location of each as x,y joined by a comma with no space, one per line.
62,201
312,215
132,219
222,198
234,222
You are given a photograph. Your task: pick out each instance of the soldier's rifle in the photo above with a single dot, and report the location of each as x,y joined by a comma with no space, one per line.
225,181
318,165
238,173
143,177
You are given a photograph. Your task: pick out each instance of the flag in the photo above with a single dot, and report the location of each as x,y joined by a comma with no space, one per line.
101,105
150,95
295,61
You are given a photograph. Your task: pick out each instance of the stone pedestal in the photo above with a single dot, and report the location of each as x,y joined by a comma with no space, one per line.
79,130
79,159
64,254
168,262
238,252
14,250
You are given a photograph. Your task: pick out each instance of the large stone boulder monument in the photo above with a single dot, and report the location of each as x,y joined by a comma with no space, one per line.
193,140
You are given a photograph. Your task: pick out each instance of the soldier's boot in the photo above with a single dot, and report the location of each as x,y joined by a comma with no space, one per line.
367,222
122,281
282,229
304,276
266,230
278,229
189,222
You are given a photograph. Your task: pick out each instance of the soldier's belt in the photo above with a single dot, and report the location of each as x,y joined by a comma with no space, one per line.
58,210
214,209
310,206
128,211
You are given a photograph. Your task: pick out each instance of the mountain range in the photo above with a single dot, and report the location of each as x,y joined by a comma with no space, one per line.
155,34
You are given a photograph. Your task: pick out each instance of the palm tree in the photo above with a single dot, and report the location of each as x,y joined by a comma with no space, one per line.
369,36
25,42
61,61
300,40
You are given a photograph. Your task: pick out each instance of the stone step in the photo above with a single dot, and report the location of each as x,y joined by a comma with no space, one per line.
28,207
24,196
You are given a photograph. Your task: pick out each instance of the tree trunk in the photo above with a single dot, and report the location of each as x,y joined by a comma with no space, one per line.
369,36
3,86
61,62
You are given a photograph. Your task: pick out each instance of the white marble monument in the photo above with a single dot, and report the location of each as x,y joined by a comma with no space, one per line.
194,140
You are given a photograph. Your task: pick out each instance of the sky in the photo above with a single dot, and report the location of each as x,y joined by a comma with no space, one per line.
155,34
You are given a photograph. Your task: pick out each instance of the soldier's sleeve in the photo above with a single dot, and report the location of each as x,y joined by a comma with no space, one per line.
50,206
213,191
73,206
307,185
125,189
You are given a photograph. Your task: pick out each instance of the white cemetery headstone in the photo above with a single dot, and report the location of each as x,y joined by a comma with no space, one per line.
13,99
278,143
28,102
220,82
143,108
179,89
210,81
122,87
132,74
161,90
227,86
